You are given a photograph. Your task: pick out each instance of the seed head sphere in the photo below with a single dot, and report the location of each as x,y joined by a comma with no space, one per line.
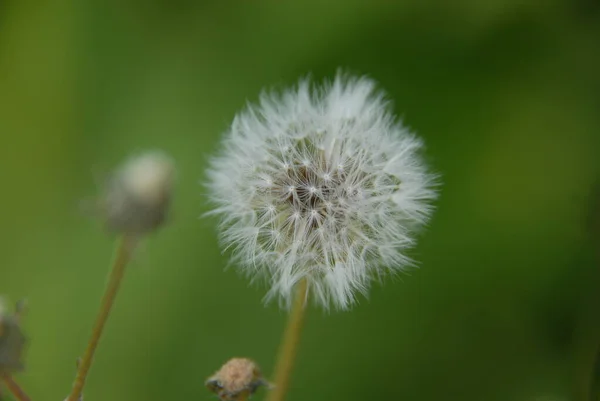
323,184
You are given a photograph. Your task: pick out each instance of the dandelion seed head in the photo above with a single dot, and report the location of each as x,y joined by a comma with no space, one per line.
347,189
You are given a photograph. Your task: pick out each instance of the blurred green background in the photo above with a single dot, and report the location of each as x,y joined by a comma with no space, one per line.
505,93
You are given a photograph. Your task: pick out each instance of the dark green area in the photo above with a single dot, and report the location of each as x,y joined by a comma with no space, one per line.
505,94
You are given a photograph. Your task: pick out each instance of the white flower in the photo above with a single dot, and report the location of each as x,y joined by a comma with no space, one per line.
322,184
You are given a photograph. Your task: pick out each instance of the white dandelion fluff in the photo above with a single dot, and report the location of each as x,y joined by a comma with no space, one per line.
321,184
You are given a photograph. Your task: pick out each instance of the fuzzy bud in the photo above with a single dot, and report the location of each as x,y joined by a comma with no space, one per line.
238,378
138,194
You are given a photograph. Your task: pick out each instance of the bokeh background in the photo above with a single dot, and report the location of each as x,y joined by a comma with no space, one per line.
506,95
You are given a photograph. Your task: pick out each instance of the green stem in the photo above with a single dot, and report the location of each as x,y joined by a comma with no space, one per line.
289,344
14,387
123,256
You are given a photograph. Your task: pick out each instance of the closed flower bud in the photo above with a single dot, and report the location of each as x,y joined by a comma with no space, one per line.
137,195
238,378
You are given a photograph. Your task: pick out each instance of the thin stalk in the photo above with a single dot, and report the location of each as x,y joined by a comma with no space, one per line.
589,348
289,344
123,256
244,396
14,387
588,330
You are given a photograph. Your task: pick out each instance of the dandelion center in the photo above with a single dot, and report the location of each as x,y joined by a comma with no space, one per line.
308,199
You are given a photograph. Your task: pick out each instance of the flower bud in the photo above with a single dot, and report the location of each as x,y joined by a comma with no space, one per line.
238,378
137,196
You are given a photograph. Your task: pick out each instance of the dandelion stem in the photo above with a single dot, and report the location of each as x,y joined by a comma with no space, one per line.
243,396
588,331
14,387
289,344
123,256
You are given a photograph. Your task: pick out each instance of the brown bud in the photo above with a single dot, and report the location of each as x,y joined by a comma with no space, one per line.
237,379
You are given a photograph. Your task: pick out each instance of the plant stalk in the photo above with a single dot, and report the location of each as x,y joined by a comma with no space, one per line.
289,344
122,258
14,387
244,396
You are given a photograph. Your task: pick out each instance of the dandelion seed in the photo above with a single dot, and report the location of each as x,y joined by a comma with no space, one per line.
347,190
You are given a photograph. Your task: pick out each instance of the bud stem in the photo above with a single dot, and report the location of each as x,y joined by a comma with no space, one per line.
123,256
289,344
243,396
14,387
